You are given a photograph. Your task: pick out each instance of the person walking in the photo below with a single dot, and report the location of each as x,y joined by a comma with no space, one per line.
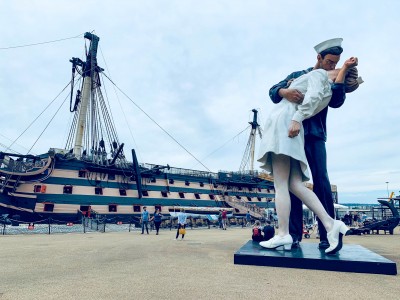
157,218
224,216
182,217
220,219
144,219
248,219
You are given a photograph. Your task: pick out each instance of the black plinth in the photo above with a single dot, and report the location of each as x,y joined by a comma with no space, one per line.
352,258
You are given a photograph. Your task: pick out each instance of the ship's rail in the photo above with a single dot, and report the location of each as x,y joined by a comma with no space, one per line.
242,173
220,174
181,171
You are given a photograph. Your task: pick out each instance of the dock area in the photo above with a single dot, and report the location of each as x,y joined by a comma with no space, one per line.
129,265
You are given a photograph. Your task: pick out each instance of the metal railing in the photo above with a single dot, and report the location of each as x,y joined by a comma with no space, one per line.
99,223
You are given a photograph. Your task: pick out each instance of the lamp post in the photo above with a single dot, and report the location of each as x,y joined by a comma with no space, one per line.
387,187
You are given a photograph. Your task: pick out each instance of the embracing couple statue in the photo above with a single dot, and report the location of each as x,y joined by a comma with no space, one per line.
294,140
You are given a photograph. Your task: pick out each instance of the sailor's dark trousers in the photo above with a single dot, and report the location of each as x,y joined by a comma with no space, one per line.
316,156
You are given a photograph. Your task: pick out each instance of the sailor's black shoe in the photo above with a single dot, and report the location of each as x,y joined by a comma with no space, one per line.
296,244
323,245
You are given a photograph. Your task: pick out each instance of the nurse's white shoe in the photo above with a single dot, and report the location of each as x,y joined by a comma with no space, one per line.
278,241
335,237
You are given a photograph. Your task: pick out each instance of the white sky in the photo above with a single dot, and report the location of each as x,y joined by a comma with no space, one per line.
199,68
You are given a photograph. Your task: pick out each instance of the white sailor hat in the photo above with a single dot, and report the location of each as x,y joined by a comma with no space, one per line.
328,44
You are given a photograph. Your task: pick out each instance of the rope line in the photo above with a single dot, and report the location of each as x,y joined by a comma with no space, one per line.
37,117
166,132
120,105
41,43
208,155
5,146
48,123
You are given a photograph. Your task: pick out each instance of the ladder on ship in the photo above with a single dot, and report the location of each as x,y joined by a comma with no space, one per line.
243,207
9,183
16,183
4,182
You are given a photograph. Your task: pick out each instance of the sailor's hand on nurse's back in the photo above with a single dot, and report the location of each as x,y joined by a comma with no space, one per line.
294,129
292,95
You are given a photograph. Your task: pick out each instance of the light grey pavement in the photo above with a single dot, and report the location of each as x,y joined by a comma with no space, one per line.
128,265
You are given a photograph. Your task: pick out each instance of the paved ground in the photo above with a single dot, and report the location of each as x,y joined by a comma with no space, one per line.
123,265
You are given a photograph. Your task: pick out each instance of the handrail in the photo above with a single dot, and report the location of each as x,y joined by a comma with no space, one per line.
243,205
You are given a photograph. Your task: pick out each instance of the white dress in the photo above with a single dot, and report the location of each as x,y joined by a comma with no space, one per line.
316,88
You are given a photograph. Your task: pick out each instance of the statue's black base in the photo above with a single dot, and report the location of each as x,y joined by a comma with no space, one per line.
352,258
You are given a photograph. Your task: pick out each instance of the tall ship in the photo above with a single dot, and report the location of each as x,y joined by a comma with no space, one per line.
92,174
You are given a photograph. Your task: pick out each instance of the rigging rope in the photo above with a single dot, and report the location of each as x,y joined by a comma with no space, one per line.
48,123
187,151
223,144
72,130
13,150
120,105
41,43
38,117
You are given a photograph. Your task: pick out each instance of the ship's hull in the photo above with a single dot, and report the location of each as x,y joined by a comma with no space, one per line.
71,187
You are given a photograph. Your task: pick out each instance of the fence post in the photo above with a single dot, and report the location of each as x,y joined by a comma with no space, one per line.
83,224
49,220
4,226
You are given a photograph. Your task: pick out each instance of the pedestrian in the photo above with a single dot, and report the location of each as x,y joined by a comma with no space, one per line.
144,219
224,216
268,230
181,224
220,219
157,217
248,219
347,219
355,219
257,232
364,218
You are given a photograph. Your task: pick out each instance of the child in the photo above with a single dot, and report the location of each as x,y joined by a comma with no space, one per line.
256,232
